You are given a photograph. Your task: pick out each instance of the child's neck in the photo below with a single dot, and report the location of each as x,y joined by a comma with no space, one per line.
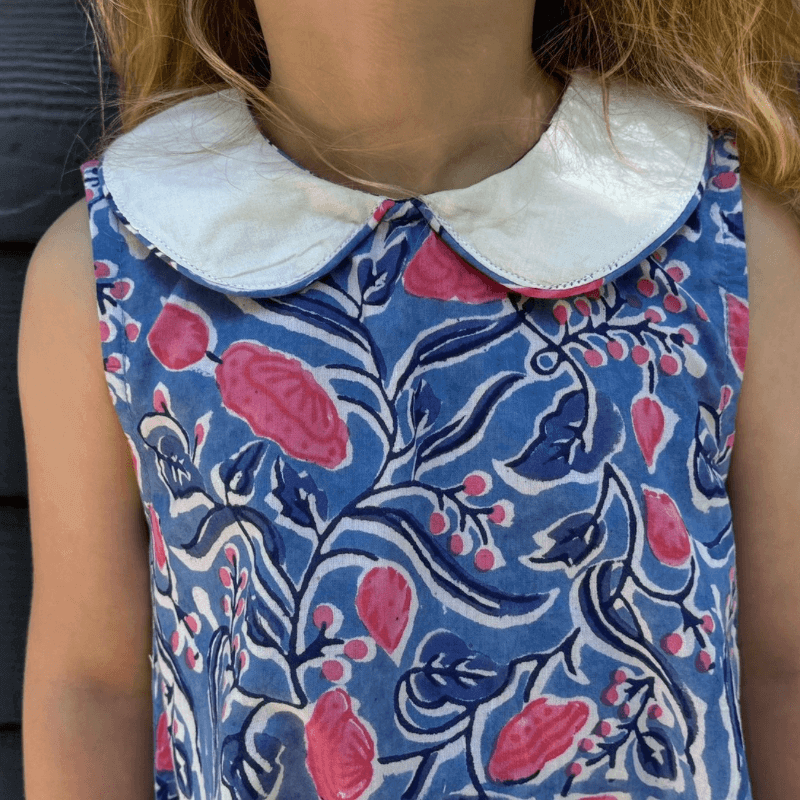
446,93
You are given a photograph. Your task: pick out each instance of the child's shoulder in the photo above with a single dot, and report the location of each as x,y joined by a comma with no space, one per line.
772,369
772,237
762,481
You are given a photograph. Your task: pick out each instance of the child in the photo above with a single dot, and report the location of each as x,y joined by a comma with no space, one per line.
429,360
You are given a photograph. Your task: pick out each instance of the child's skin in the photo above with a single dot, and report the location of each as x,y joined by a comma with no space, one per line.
452,86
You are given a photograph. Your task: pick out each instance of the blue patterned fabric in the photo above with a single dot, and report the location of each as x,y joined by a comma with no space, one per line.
414,535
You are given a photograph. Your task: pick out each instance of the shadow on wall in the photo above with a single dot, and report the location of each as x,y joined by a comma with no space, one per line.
49,120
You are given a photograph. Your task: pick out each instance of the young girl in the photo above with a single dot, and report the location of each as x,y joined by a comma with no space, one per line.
429,354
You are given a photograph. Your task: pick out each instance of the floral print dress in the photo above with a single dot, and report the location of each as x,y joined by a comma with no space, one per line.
435,486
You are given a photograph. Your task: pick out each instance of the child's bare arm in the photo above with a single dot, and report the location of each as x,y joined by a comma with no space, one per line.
764,483
87,708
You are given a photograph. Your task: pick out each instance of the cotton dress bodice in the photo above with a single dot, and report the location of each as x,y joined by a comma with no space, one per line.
435,486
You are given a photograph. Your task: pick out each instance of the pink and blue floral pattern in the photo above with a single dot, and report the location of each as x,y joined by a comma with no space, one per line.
414,535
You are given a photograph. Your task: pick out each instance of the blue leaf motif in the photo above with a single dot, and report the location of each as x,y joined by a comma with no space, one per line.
182,769
707,453
168,441
450,680
238,472
217,520
456,340
377,278
282,746
276,635
453,671
166,786
295,492
425,406
610,620
560,446
656,755
575,538
332,324
469,423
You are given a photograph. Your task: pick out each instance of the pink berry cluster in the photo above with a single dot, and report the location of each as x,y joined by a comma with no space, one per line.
562,308
640,354
360,649
604,728
105,273
227,580
675,644
184,634
476,484
610,696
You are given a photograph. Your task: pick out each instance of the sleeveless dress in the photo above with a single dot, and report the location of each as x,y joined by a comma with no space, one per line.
435,486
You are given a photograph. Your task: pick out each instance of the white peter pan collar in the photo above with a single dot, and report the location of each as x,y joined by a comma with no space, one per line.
245,219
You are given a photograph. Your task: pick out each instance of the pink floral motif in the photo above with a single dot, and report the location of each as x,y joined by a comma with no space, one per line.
332,670
381,210
669,365
646,287
121,290
179,337
610,695
603,728
676,273
437,523
616,350
89,181
164,760
160,401
477,483
484,559
534,737
666,531
323,615
599,797
584,309
439,273
703,661
383,602
498,513
640,355
356,649
159,548
283,402
725,180
340,748
738,329
648,425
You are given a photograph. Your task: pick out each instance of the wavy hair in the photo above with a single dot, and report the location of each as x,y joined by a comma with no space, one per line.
736,61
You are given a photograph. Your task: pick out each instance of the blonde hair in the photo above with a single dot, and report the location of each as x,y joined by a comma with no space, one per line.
736,61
